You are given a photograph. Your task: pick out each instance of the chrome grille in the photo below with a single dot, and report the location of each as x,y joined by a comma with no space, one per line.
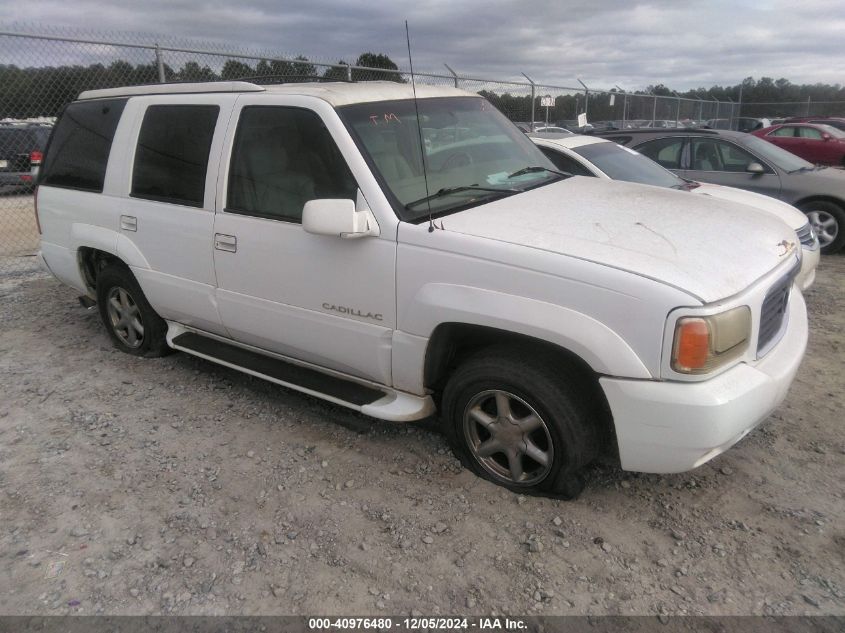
807,236
773,312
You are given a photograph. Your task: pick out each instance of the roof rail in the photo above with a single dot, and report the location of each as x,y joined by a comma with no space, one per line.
172,88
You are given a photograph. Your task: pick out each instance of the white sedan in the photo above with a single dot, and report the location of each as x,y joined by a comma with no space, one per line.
590,156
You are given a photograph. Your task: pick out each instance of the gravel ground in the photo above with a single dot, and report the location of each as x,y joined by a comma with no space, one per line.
18,231
131,486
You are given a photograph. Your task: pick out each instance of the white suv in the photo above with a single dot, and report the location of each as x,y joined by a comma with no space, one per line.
399,257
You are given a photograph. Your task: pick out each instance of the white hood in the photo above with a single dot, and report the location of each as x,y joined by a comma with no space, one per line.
786,212
707,247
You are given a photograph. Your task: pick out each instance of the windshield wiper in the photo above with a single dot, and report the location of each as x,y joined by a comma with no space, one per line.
536,168
450,190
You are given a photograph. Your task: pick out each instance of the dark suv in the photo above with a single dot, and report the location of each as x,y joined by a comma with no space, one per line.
21,149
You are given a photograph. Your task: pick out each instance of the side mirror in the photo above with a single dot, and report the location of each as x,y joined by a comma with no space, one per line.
826,136
755,168
338,218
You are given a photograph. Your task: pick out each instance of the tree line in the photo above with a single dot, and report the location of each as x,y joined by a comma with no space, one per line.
43,91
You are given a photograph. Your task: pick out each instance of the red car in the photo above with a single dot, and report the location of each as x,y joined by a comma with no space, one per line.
820,144
833,121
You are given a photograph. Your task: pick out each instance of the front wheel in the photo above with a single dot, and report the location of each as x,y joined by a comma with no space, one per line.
132,324
828,222
523,421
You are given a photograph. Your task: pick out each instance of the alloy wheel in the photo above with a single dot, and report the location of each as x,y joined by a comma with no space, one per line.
825,226
508,438
125,317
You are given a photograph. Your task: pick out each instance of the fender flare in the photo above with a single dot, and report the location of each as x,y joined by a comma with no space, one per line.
592,341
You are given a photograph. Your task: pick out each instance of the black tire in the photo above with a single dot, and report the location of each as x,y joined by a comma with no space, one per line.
565,401
116,282
827,212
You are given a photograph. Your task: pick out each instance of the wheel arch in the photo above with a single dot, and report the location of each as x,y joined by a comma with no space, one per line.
820,198
91,261
451,343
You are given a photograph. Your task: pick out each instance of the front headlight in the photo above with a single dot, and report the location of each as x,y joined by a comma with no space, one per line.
704,343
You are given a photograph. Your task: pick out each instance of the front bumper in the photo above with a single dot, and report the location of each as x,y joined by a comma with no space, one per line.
668,427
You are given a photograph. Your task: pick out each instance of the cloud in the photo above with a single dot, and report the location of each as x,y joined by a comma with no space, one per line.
678,43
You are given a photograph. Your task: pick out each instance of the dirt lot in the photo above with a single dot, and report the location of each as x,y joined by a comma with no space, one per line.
18,231
134,486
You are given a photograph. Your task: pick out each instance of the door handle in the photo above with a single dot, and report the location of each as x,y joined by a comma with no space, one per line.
128,223
228,243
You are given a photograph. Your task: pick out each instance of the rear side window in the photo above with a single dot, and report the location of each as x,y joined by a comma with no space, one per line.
664,151
171,159
78,151
565,163
810,132
783,131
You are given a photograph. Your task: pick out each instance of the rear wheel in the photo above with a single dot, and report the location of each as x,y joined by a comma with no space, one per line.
131,322
522,420
828,222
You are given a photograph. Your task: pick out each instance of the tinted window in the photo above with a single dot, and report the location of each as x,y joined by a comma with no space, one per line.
565,163
78,151
621,163
664,151
284,157
172,154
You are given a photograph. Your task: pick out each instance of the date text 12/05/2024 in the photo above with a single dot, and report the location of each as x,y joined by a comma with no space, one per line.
417,623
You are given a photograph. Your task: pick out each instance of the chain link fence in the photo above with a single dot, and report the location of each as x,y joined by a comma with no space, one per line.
41,70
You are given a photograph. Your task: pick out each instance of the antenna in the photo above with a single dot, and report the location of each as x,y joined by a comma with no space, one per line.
419,127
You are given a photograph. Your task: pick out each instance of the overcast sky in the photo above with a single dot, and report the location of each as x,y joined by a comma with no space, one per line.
603,42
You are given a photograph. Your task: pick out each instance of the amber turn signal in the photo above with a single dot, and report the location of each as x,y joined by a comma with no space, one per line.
692,344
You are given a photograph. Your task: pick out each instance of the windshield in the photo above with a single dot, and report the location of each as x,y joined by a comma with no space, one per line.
774,154
621,163
472,153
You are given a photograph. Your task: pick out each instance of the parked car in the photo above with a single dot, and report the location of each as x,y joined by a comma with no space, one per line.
606,125
21,148
660,123
747,162
820,144
601,158
740,124
553,130
301,234
573,126
833,121
526,126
